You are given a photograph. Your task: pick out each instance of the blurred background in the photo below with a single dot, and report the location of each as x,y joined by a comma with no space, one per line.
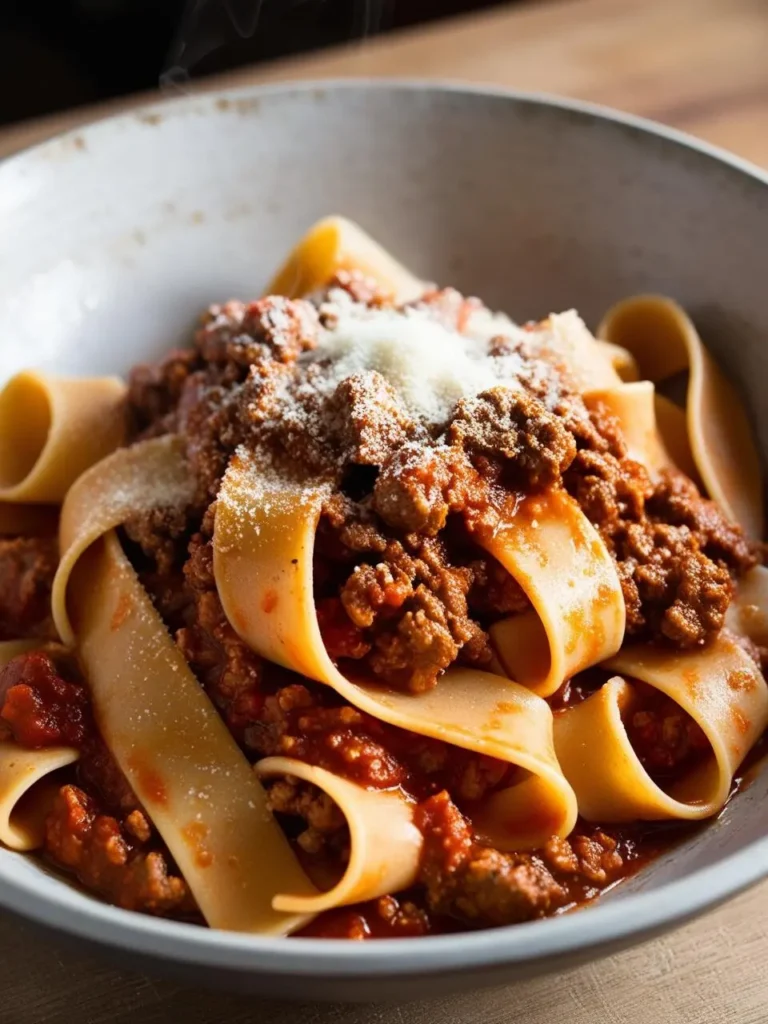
56,54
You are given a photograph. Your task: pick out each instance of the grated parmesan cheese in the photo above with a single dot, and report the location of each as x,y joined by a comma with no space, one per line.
430,366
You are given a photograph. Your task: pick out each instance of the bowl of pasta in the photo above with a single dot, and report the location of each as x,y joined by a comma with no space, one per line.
338,603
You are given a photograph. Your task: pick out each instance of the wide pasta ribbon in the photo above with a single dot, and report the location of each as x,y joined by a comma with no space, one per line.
721,689
664,341
68,425
27,788
336,244
565,336
565,570
263,544
653,428
51,429
385,845
550,547
165,734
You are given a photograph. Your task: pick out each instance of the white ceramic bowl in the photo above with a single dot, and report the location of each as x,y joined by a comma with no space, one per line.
113,238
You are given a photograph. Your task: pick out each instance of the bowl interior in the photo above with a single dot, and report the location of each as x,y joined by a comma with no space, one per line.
115,238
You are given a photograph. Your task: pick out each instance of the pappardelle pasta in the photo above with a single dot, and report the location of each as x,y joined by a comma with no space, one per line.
374,613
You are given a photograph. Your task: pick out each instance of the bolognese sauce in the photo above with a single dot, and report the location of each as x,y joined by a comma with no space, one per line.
403,591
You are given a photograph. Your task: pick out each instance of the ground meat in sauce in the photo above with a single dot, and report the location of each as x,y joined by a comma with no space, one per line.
325,830
666,739
27,568
389,917
227,668
155,390
402,588
477,883
675,552
494,592
115,852
162,535
111,858
412,602
404,599
419,485
40,706
362,439
515,426
44,702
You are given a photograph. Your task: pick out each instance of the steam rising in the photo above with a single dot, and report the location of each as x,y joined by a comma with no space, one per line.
244,15
209,25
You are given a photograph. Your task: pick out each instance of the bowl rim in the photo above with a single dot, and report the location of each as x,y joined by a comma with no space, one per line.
605,926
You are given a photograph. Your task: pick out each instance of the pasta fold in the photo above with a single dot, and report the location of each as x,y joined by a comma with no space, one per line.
721,689
562,564
54,428
26,789
165,734
263,543
635,406
384,843
664,341
335,244
27,792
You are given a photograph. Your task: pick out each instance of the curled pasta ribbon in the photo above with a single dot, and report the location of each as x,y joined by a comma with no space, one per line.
719,687
664,341
52,429
565,570
621,359
335,244
26,787
384,842
179,757
565,335
263,543
27,792
550,548
654,428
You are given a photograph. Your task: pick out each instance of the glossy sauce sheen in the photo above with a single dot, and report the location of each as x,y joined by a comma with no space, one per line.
42,708
638,844
404,589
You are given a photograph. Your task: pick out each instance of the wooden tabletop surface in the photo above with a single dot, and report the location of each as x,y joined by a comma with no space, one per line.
700,65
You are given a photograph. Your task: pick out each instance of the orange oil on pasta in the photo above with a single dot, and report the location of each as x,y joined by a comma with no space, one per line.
240,620
740,720
195,835
148,781
691,679
740,679
122,611
496,718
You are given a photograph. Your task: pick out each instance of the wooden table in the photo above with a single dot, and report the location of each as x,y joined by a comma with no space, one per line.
700,65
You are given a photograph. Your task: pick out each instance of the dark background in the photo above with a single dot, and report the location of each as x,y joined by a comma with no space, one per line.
56,54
